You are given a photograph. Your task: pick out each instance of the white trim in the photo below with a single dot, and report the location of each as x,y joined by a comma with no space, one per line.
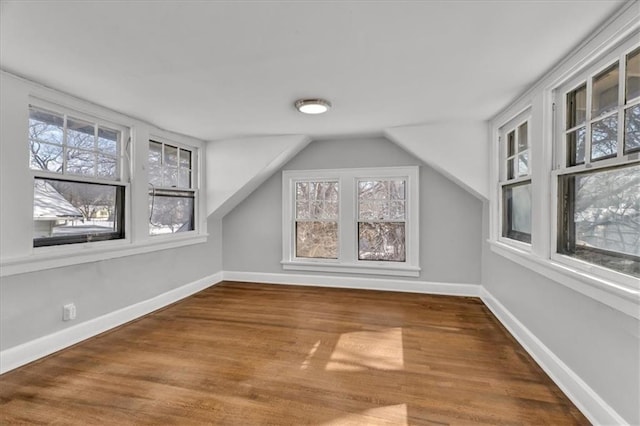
90,252
619,297
375,268
30,351
583,396
383,284
347,261
586,399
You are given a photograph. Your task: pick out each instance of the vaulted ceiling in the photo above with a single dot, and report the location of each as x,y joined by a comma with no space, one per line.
223,69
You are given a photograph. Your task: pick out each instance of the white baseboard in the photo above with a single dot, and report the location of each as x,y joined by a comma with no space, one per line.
22,354
387,284
586,399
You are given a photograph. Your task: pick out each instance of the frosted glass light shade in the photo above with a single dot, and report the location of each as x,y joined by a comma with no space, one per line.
312,106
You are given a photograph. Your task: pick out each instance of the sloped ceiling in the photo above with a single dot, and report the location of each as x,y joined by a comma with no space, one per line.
232,69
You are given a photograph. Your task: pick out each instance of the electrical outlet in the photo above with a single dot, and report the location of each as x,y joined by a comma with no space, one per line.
69,312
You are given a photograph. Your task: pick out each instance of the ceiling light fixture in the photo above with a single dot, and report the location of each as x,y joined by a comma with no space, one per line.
312,106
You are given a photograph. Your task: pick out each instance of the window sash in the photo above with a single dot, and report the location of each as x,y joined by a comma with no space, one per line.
75,238
99,130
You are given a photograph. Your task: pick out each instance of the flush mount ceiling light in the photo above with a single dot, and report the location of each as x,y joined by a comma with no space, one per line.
312,106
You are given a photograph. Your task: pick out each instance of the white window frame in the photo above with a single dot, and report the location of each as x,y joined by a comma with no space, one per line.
122,179
512,125
18,255
559,150
193,185
347,261
618,291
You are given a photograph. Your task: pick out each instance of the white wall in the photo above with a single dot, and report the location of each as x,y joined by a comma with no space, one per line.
459,150
236,167
450,217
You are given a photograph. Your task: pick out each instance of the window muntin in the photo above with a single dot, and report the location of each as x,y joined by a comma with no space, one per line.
516,184
169,166
381,220
316,219
172,199
78,196
602,115
60,143
598,180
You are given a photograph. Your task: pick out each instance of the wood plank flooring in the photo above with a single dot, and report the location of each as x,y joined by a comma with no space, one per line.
254,354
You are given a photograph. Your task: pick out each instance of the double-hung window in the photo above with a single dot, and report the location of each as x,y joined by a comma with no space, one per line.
597,167
351,220
515,181
172,194
77,164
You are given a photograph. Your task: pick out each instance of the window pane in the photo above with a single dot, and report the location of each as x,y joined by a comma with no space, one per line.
45,126
632,129
170,155
374,210
80,134
302,210
523,164
302,190
381,241
602,218
184,178
155,153
170,177
522,137
171,212
575,146
397,189
511,169
396,210
369,190
633,75
67,212
44,156
324,210
517,212
511,144
605,91
185,159
317,240
107,167
604,138
576,107
108,141
80,162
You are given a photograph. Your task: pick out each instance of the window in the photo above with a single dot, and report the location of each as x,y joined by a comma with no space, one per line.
351,220
78,194
516,181
171,191
599,175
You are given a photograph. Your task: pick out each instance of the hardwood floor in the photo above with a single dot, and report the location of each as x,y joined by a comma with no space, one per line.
250,354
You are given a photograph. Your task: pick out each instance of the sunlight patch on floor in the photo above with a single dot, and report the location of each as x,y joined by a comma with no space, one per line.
307,360
387,415
361,350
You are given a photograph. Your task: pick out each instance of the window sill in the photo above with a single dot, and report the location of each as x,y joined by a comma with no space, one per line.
59,256
353,268
613,294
